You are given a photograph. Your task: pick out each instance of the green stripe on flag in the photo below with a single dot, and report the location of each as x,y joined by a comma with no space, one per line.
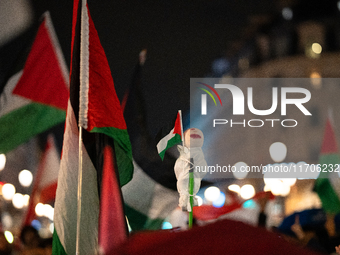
172,142
323,185
57,247
122,149
19,125
139,221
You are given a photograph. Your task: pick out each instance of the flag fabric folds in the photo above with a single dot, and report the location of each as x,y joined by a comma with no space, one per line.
35,99
169,136
152,194
327,185
147,202
103,124
111,207
220,237
45,183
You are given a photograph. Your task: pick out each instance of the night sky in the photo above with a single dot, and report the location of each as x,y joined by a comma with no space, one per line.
182,39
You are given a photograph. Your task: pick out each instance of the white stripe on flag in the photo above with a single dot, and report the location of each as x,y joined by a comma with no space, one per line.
334,180
148,197
161,145
8,101
65,216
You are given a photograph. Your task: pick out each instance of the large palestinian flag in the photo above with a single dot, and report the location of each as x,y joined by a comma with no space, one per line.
35,98
151,195
95,107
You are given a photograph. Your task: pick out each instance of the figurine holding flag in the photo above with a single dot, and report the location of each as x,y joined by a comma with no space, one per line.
191,155
189,180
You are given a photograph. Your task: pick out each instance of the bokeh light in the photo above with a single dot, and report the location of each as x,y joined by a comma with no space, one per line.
219,202
18,201
247,191
278,151
26,200
9,236
39,209
8,191
240,172
316,48
2,161
235,188
25,178
199,200
287,13
166,225
212,193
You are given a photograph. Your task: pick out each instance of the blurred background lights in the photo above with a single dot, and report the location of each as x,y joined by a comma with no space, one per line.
287,13
9,236
251,204
8,191
51,228
26,200
276,187
316,80
278,151
199,200
338,5
285,190
240,172
166,225
18,201
235,188
25,178
289,181
36,224
316,48
219,202
2,161
266,188
6,220
280,187
39,209
212,193
247,191
48,211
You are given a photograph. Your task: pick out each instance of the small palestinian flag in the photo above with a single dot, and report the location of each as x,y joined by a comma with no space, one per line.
327,184
169,136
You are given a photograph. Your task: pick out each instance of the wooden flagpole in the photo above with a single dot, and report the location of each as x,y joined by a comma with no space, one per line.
80,185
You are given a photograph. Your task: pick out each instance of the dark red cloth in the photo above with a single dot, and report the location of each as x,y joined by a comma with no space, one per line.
222,237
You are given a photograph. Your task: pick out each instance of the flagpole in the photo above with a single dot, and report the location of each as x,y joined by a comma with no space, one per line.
191,178
180,117
83,102
80,185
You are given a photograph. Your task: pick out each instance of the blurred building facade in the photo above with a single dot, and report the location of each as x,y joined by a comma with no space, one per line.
302,40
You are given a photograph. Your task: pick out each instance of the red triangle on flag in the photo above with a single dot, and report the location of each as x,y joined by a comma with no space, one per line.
101,86
177,128
43,76
329,144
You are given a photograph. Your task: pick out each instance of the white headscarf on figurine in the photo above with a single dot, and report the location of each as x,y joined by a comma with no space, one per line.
193,142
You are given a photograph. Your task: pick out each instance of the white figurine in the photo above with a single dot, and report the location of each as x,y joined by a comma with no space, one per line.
193,142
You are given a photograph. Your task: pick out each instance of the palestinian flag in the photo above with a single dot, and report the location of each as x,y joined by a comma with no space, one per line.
327,185
35,99
151,195
169,136
94,105
45,180
147,202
